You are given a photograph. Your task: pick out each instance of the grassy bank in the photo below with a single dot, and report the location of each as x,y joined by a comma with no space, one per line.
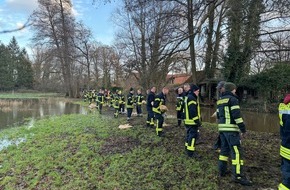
90,152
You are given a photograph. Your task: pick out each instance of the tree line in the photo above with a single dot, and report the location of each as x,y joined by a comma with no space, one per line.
156,37
15,67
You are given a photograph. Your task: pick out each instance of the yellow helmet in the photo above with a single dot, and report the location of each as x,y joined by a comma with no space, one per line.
119,92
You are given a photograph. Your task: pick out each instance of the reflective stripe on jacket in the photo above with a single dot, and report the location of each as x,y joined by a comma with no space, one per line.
101,98
229,114
158,101
130,100
139,99
191,105
179,103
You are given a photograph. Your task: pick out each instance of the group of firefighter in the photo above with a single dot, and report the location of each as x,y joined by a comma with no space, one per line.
117,101
231,126
188,112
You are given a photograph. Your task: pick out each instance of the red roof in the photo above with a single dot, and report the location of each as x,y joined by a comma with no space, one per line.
178,78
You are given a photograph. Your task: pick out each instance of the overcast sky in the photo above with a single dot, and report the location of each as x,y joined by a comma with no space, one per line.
14,13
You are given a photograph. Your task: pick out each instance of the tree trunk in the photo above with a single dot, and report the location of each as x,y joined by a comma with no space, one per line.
191,40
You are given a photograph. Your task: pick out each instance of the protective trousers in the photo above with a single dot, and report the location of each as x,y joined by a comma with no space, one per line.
139,109
285,168
159,123
191,136
231,146
100,108
129,112
122,108
116,106
179,117
150,118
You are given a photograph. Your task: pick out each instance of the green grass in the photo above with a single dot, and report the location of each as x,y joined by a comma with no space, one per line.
18,95
90,152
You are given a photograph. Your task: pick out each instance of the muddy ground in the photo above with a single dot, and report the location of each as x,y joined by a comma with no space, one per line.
261,152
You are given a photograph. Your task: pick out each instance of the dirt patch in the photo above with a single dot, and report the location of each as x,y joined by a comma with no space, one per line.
118,145
261,151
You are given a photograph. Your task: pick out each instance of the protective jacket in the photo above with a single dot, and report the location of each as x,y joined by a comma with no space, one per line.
121,99
101,98
130,100
191,113
150,98
179,102
116,100
229,114
158,101
139,99
284,116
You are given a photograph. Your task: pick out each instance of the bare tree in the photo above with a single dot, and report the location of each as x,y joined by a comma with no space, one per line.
83,43
106,66
149,38
53,23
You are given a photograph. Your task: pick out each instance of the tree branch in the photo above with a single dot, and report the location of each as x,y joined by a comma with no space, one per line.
27,24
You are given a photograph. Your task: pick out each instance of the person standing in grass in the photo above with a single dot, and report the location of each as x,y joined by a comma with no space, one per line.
179,106
130,103
121,102
191,119
100,100
116,103
149,106
230,123
221,89
139,101
284,116
159,102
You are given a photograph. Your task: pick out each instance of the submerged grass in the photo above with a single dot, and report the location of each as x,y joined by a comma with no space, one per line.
90,152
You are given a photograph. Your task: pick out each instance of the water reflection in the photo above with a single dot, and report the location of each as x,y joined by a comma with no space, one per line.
14,111
262,122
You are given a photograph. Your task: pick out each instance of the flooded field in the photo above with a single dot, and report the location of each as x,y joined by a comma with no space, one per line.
16,111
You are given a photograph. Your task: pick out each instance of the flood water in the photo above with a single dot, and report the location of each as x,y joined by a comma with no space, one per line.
14,112
261,122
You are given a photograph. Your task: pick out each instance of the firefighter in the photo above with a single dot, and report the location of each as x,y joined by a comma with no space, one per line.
121,102
284,116
130,103
221,89
94,95
191,119
90,96
159,101
149,106
100,100
139,101
179,106
116,104
230,123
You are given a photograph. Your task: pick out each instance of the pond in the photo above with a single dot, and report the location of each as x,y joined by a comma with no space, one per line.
14,112
260,122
